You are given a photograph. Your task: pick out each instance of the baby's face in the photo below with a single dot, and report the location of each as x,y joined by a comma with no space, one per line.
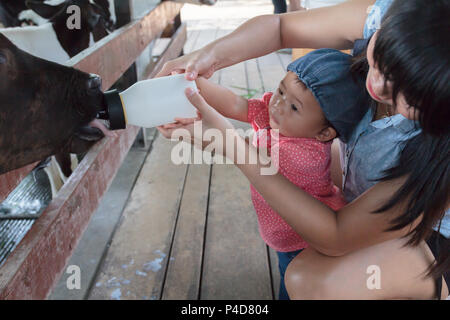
294,110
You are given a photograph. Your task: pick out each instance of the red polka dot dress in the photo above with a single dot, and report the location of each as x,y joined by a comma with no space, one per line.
304,161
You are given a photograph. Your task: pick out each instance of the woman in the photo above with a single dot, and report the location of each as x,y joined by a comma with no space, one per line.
390,167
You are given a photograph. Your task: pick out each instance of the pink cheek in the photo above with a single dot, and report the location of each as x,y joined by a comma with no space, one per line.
376,83
375,86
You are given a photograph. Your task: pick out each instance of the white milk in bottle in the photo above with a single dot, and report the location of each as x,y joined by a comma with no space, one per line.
149,103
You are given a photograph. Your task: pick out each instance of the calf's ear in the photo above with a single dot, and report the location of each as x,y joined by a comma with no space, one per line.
44,10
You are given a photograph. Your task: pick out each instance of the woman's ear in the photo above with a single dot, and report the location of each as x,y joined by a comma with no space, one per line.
326,134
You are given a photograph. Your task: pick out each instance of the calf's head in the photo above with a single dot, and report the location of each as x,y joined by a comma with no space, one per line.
45,108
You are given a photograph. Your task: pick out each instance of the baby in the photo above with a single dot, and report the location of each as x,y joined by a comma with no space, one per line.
317,101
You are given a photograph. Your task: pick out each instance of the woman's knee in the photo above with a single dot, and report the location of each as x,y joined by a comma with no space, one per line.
303,282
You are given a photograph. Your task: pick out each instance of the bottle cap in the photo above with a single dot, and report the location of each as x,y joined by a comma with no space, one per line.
115,110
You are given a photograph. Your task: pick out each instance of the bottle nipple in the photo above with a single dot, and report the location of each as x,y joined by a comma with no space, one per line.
113,110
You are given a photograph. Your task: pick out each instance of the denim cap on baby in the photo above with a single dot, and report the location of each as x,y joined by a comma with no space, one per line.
342,97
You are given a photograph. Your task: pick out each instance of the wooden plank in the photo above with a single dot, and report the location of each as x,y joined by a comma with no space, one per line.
221,278
184,270
206,36
183,275
191,40
160,46
172,51
26,274
235,260
99,60
36,264
271,71
135,264
218,74
275,273
254,79
234,78
235,263
255,82
88,254
285,59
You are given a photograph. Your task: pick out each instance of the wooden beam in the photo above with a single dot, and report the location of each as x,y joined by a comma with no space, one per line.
37,263
98,58
172,51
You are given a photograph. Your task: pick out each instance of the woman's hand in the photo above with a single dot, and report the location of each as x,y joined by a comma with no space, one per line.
212,125
180,122
198,63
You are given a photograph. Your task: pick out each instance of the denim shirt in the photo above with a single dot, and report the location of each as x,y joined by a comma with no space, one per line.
376,145
376,14
373,147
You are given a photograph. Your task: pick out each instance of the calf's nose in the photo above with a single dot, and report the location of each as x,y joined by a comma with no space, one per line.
94,84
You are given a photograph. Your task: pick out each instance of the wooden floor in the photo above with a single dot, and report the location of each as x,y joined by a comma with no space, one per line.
190,231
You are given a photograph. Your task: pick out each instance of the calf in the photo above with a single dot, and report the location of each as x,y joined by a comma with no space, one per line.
53,40
45,108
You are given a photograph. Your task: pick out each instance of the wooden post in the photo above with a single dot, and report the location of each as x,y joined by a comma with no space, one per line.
123,13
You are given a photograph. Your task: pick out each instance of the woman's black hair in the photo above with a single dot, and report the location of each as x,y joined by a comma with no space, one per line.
425,161
412,50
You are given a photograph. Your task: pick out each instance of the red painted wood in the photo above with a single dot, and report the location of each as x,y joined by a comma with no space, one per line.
10,180
31,271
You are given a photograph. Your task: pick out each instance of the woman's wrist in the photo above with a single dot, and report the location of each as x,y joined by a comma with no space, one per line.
218,49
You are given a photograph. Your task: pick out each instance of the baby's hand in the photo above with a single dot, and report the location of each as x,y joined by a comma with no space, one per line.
180,122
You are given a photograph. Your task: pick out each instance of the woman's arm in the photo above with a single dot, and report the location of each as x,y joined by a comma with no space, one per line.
329,27
223,100
331,233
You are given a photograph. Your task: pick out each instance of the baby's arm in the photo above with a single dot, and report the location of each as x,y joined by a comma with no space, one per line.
223,100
